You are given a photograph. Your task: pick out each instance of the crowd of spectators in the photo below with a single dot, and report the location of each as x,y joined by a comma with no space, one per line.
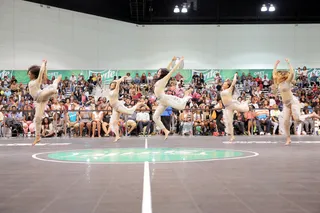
77,112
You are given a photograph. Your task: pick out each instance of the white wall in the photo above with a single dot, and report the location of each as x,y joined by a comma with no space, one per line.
70,40
236,46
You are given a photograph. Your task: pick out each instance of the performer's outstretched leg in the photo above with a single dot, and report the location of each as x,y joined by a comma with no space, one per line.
240,107
49,92
157,119
176,102
129,111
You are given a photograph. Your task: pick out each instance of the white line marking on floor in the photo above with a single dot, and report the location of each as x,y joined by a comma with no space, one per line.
36,156
146,197
39,144
268,142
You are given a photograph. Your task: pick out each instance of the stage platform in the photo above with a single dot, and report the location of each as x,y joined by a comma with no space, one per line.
256,174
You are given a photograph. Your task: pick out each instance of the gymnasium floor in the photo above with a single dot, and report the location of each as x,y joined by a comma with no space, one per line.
188,175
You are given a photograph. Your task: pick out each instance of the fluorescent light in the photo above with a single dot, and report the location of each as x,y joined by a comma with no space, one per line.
264,8
176,9
184,9
271,8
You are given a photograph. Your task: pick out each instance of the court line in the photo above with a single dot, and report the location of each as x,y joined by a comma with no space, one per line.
270,142
146,197
30,144
254,154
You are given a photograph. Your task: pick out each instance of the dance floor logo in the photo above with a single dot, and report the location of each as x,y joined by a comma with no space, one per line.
140,155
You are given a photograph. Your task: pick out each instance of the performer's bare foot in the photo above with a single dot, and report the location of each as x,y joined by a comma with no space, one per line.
288,141
232,138
36,140
59,78
116,140
166,134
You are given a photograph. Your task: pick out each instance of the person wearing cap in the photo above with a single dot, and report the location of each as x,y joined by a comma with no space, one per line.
291,105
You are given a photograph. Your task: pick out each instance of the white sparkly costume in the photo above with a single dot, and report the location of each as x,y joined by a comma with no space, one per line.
166,100
291,107
41,97
118,108
230,106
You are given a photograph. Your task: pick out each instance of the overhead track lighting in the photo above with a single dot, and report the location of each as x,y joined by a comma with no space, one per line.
176,9
271,8
184,8
268,7
264,8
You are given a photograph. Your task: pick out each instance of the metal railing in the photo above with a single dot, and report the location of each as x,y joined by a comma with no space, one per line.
125,117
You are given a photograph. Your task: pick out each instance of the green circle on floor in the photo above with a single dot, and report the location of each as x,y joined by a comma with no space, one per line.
138,155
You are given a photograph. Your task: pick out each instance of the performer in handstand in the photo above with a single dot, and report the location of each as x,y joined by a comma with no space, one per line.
291,105
163,76
230,105
40,96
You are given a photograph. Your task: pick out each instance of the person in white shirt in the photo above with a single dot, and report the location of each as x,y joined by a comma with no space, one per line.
41,97
266,81
143,119
149,78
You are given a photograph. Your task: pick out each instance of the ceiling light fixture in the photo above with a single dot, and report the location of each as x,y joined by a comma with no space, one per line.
264,8
271,8
184,8
176,9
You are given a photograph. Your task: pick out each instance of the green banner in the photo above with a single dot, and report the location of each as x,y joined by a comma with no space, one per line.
108,75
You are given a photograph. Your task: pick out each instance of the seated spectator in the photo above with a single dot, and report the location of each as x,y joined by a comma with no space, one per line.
28,116
131,122
198,124
262,119
96,121
308,123
274,118
59,125
314,79
186,121
143,119
143,79
85,121
73,119
149,78
239,123
250,119
137,79
47,128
